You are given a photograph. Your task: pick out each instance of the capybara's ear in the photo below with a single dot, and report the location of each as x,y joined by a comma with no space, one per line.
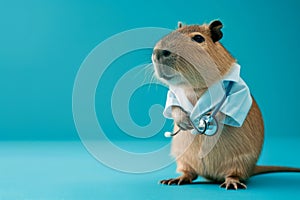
179,24
215,30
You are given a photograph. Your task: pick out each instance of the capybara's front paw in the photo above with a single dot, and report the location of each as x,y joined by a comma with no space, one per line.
181,180
181,118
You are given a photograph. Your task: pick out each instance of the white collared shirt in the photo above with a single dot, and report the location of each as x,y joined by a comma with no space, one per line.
235,107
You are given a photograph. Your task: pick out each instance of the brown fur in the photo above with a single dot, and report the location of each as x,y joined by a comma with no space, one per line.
235,153
220,56
233,158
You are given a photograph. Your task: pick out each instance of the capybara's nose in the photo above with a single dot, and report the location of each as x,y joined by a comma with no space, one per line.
160,54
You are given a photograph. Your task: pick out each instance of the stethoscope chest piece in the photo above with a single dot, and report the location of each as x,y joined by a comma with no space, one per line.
206,125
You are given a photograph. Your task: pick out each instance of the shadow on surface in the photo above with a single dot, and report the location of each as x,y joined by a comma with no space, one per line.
204,183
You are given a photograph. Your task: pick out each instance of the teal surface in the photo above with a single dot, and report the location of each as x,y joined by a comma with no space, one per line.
42,46
65,170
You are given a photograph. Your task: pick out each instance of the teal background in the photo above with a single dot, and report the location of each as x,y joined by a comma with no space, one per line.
44,42
42,45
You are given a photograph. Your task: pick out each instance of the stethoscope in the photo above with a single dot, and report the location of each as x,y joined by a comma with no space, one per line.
207,123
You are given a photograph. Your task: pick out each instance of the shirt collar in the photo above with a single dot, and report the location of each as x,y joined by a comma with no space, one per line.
233,74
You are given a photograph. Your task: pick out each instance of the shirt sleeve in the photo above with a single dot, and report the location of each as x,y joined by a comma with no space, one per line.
171,101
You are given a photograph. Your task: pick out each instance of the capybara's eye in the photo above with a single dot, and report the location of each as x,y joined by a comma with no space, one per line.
198,38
